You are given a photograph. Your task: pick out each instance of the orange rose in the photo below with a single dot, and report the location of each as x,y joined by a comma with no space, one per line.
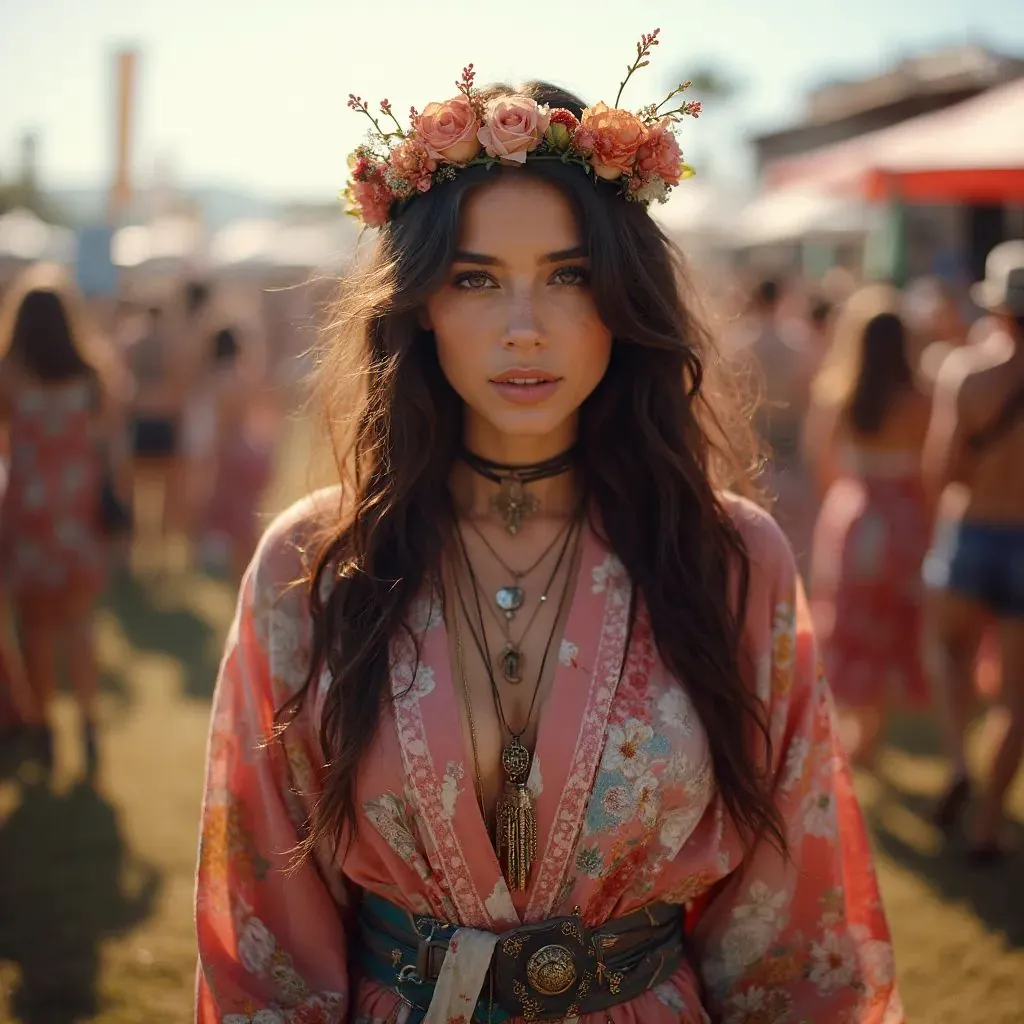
659,155
514,127
448,130
610,138
411,161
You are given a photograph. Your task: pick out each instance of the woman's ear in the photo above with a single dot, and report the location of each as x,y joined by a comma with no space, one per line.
424,317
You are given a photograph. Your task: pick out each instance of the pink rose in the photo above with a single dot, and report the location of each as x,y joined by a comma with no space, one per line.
371,200
659,155
514,127
412,162
610,138
449,130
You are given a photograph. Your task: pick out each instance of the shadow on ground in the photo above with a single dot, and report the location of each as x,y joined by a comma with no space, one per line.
67,883
993,893
177,632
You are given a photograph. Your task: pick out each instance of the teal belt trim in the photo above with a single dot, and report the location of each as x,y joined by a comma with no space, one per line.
380,923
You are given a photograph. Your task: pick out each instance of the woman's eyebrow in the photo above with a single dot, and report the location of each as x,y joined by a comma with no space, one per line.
574,253
476,257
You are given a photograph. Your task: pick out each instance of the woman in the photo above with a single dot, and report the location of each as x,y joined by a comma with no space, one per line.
865,434
596,658
60,390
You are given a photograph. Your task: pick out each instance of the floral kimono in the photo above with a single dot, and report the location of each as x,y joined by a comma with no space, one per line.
627,810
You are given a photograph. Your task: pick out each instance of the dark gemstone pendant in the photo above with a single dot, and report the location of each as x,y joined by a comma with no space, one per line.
511,661
509,599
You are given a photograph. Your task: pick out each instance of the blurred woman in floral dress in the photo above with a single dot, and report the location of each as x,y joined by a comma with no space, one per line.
865,435
60,392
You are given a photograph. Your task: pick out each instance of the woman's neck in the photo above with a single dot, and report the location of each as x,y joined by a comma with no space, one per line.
475,495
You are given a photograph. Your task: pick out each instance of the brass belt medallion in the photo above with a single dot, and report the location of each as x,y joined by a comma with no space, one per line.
551,971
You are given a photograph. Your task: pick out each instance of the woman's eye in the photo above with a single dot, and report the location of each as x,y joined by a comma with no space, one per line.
572,276
473,281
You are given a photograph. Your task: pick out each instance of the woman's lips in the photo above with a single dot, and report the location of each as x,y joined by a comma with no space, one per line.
526,387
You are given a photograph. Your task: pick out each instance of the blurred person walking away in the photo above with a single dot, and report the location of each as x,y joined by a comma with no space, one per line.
61,389
164,362
244,424
156,460
864,437
976,440
934,313
785,366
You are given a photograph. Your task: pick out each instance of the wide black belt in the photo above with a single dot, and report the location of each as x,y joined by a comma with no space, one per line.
540,972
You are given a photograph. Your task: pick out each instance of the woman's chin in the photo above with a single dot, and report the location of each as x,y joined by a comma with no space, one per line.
522,426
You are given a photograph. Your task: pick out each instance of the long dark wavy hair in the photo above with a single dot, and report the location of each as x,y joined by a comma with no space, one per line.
45,330
868,366
652,461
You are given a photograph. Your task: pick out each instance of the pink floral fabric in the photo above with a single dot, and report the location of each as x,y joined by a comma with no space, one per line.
867,595
627,810
50,535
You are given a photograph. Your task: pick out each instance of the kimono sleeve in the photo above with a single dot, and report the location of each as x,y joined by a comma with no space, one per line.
803,939
271,937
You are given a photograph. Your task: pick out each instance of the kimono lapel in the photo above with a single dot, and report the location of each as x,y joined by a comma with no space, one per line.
425,711
565,763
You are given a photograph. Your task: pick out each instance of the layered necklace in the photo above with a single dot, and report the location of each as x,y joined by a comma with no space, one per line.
514,502
509,598
515,819
515,824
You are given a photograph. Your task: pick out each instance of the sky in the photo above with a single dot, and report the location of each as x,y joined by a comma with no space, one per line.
251,94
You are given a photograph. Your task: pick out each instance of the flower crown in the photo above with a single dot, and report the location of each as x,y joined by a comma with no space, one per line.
640,151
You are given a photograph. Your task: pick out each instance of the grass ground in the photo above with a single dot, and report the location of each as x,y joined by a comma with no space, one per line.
96,884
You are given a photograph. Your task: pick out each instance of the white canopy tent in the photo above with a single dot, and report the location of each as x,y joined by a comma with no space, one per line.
697,209
797,213
24,236
258,245
165,240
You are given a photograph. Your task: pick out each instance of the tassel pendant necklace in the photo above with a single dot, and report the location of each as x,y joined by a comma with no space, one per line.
514,502
515,823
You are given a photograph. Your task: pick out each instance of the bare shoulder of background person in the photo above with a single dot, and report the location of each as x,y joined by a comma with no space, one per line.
983,384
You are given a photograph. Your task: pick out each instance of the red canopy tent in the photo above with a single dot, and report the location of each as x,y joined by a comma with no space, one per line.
972,152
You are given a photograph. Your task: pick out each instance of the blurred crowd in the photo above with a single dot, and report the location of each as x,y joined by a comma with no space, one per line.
894,418
895,422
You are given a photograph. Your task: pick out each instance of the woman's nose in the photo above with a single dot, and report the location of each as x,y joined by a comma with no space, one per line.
522,330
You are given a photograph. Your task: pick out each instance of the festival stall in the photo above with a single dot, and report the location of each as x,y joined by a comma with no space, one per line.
972,152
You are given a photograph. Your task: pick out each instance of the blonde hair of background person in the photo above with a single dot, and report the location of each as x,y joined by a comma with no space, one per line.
878,378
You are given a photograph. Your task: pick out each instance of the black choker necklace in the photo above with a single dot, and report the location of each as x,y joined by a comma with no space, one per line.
513,502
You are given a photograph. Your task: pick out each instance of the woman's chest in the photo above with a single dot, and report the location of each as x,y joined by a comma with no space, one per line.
617,759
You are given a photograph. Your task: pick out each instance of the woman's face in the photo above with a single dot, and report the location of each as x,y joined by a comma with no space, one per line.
518,335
